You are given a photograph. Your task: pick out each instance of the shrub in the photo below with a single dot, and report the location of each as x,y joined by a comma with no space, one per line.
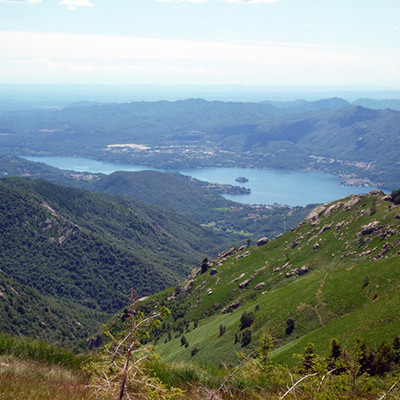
395,196
246,320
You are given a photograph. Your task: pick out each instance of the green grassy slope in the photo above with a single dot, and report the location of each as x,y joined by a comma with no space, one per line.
351,252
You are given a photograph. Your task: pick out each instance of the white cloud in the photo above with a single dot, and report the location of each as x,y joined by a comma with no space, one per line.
21,1
73,4
98,59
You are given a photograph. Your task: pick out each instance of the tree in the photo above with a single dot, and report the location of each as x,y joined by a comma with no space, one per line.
204,266
395,195
119,371
290,326
246,320
308,362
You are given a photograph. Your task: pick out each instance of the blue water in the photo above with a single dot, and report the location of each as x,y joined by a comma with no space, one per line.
267,186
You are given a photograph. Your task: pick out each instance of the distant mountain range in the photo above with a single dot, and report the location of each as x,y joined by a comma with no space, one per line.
359,144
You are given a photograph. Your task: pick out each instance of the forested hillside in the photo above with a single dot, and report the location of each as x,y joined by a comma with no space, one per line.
87,251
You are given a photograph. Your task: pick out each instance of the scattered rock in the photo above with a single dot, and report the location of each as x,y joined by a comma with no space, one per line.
339,225
383,252
316,246
348,254
247,253
370,228
365,253
259,286
397,216
184,288
298,271
287,265
325,228
233,306
239,277
209,292
143,298
262,241
244,284
331,208
303,270
314,214
377,193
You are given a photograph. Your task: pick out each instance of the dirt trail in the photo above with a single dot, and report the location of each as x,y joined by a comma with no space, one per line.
318,298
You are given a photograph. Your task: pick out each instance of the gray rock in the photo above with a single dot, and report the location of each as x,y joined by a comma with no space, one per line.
244,284
262,241
370,228
259,286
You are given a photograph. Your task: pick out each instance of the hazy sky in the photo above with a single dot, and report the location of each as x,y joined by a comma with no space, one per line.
248,42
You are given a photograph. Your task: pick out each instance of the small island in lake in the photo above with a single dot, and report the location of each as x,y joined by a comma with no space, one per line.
241,179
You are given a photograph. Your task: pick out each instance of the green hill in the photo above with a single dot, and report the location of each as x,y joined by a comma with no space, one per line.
201,202
85,251
336,275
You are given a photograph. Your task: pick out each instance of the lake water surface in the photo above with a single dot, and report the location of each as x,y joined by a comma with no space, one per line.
267,186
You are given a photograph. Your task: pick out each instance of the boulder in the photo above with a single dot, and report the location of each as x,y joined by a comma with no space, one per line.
352,202
370,228
314,214
244,284
259,286
301,271
325,228
233,306
316,246
262,241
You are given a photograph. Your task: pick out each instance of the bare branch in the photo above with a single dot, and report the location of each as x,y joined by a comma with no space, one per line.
390,389
232,373
299,381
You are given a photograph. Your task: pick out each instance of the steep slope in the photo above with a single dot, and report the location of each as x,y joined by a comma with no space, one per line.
336,275
88,250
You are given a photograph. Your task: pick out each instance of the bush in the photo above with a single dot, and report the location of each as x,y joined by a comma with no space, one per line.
246,320
395,196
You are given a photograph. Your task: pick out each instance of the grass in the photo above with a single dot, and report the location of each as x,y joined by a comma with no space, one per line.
22,379
341,296
35,350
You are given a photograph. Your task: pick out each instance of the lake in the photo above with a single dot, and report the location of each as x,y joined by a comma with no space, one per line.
267,186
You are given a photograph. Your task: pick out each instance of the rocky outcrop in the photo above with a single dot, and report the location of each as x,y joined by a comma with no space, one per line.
370,228
315,214
352,202
298,271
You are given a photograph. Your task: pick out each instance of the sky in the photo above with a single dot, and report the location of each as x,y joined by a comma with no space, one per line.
201,42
